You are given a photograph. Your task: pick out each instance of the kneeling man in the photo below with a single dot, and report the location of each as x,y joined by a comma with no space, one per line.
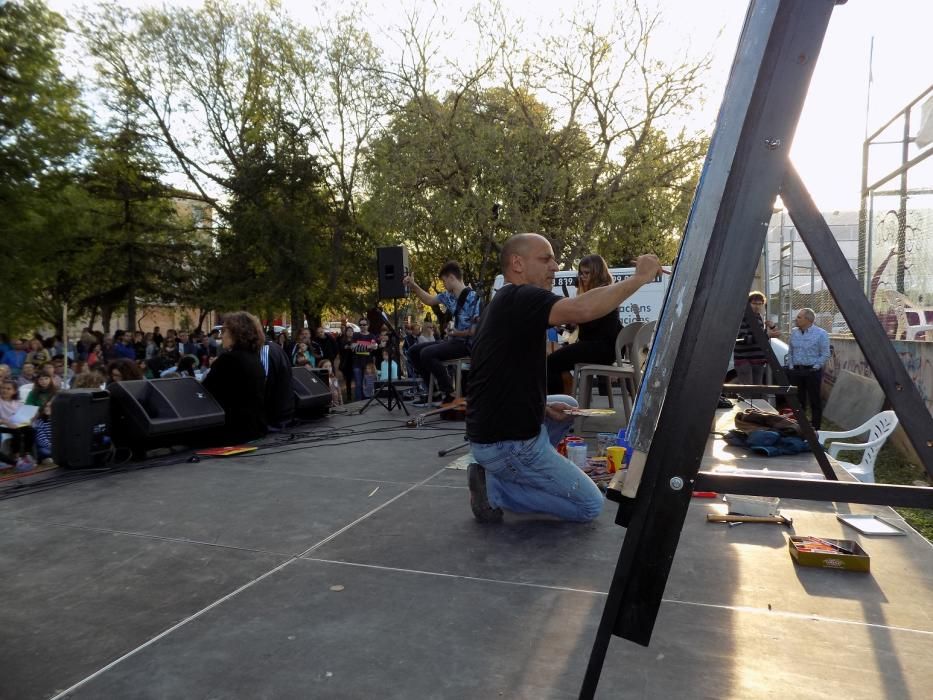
512,425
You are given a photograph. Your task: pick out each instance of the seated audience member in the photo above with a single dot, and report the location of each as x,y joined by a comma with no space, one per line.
43,390
21,440
186,346
237,380
42,427
596,340
27,375
95,355
512,424
185,368
123,345
5,372
427,333
37,354
464,305
152,347
90,379
122,370
139,345
15,357
279,395
58,369
170,354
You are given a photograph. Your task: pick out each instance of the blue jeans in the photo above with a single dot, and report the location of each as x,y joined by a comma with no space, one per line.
529,476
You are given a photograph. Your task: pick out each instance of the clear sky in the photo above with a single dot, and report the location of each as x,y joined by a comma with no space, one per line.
827,148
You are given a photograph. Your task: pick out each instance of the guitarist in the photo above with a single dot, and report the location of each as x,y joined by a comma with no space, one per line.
465,305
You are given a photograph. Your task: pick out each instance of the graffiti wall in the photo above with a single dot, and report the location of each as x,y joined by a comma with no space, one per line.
916,356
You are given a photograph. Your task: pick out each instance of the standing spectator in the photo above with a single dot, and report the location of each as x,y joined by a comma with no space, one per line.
364,343
387,366
157,336
304,338
345,360
15,357
749,358
324,345
336,391
152,348
809,353
205,351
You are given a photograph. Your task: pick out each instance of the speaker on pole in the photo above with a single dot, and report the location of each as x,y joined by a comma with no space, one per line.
392,263
81,428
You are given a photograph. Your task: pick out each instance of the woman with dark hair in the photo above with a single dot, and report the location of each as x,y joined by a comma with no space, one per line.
123,369
237,380
596,343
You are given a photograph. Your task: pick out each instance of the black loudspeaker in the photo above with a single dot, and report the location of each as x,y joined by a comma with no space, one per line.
311,392
392,263
81,428
145,409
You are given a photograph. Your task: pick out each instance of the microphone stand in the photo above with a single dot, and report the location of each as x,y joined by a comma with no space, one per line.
394,397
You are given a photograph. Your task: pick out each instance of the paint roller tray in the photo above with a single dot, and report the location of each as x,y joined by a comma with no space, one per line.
761,506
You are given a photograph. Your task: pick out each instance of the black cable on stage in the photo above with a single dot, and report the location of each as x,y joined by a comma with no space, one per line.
328,437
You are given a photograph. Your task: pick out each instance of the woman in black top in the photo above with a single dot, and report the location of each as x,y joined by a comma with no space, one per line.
237,380
596,343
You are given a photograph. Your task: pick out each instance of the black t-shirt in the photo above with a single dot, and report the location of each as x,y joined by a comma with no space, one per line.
603,329
508,366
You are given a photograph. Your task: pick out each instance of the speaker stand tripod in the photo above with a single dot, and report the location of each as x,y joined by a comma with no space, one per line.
393,395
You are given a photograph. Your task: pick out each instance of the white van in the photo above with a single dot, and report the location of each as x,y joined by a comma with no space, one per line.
643,305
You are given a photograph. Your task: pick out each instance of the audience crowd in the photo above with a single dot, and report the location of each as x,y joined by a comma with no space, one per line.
33,370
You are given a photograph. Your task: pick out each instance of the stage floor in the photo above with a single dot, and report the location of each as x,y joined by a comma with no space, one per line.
342,561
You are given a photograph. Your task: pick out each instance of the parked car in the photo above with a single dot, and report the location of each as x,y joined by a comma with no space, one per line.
336,327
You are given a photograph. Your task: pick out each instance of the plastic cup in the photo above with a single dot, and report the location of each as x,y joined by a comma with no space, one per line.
576,453
615,459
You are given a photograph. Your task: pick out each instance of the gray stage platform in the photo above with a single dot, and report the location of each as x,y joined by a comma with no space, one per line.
351,567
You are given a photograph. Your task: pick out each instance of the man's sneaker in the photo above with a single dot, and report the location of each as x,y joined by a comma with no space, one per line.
479,503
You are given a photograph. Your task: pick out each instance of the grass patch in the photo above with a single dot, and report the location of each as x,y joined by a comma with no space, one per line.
892,467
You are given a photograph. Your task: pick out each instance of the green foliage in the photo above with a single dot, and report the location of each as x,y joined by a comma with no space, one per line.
42,127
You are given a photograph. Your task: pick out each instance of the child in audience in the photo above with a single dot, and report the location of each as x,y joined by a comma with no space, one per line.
384,368
42,391
42,426
22,436
336,391
369,380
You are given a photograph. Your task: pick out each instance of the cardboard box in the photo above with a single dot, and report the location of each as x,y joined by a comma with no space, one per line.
824,553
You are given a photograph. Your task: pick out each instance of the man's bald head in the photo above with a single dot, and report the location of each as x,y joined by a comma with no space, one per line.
527,258
519,244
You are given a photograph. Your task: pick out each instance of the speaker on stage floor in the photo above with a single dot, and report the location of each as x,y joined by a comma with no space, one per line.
146,410
392,264
81,428
311,392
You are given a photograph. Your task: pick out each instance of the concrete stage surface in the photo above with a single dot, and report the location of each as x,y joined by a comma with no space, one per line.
341,560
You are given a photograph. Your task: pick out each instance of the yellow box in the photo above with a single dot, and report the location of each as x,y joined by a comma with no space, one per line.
846,555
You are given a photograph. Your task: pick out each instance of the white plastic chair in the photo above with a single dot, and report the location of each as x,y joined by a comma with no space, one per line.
901,306
878,429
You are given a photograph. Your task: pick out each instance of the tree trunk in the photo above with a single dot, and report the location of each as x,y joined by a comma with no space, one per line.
106,313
